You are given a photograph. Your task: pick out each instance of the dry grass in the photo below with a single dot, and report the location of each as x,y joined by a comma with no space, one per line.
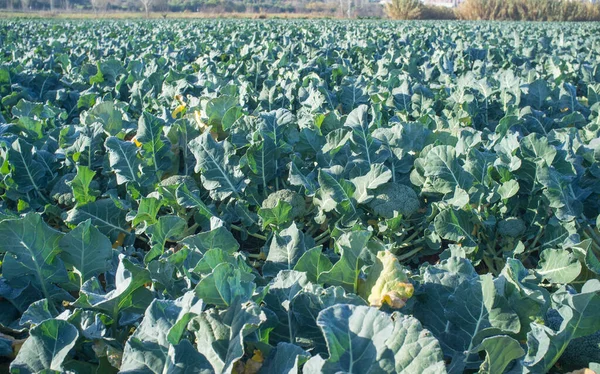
529,10
404,9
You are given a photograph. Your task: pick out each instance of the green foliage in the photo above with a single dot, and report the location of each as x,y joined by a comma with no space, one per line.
242,197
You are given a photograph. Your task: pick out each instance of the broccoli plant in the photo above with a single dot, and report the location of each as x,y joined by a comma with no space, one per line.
394,198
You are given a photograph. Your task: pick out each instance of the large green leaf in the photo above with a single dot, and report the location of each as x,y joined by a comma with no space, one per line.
220,175
461,308
500,351
156,149
313,262
220,334
218,237
282,290
104,214
87,250
444,171
46,348
356,336
225,285
580,318
456,225
32,249
286,358
285,250
123,159
27,173
364,145
306,306
129,293
558,266
337,194
362,339
156,345
168,228
354,253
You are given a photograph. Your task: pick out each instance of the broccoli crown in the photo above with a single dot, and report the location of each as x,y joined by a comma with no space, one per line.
390,197
290,197
177,180
62,192
580,351
511,227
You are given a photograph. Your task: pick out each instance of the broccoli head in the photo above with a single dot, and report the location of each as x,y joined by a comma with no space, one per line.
390,197
177,180
62,192
580,351
511,227
290,197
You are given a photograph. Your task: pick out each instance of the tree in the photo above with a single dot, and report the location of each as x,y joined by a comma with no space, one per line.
147,4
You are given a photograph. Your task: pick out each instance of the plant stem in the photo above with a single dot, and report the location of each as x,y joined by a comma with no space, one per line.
409,254
257,236
322,235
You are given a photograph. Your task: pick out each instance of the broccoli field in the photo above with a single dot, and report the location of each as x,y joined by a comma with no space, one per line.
237,196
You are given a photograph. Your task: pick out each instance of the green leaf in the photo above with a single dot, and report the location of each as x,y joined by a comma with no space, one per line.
46,348
276,216
81,185
378,175
285,250
461,308
27,173
281,292
221,334
123,159
313,262
455,225
191,199
306,306
414,349
147,211
219,174
508,189
156,149
558,266
444,171
580,318
87,250
355,336
354,254
262,160
156,343
32,249
107,114
105,216
129,294
286,358
500,351
219,237
216,256
337,194
168,228
364,146
225,285
359,339
353,249
37,313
